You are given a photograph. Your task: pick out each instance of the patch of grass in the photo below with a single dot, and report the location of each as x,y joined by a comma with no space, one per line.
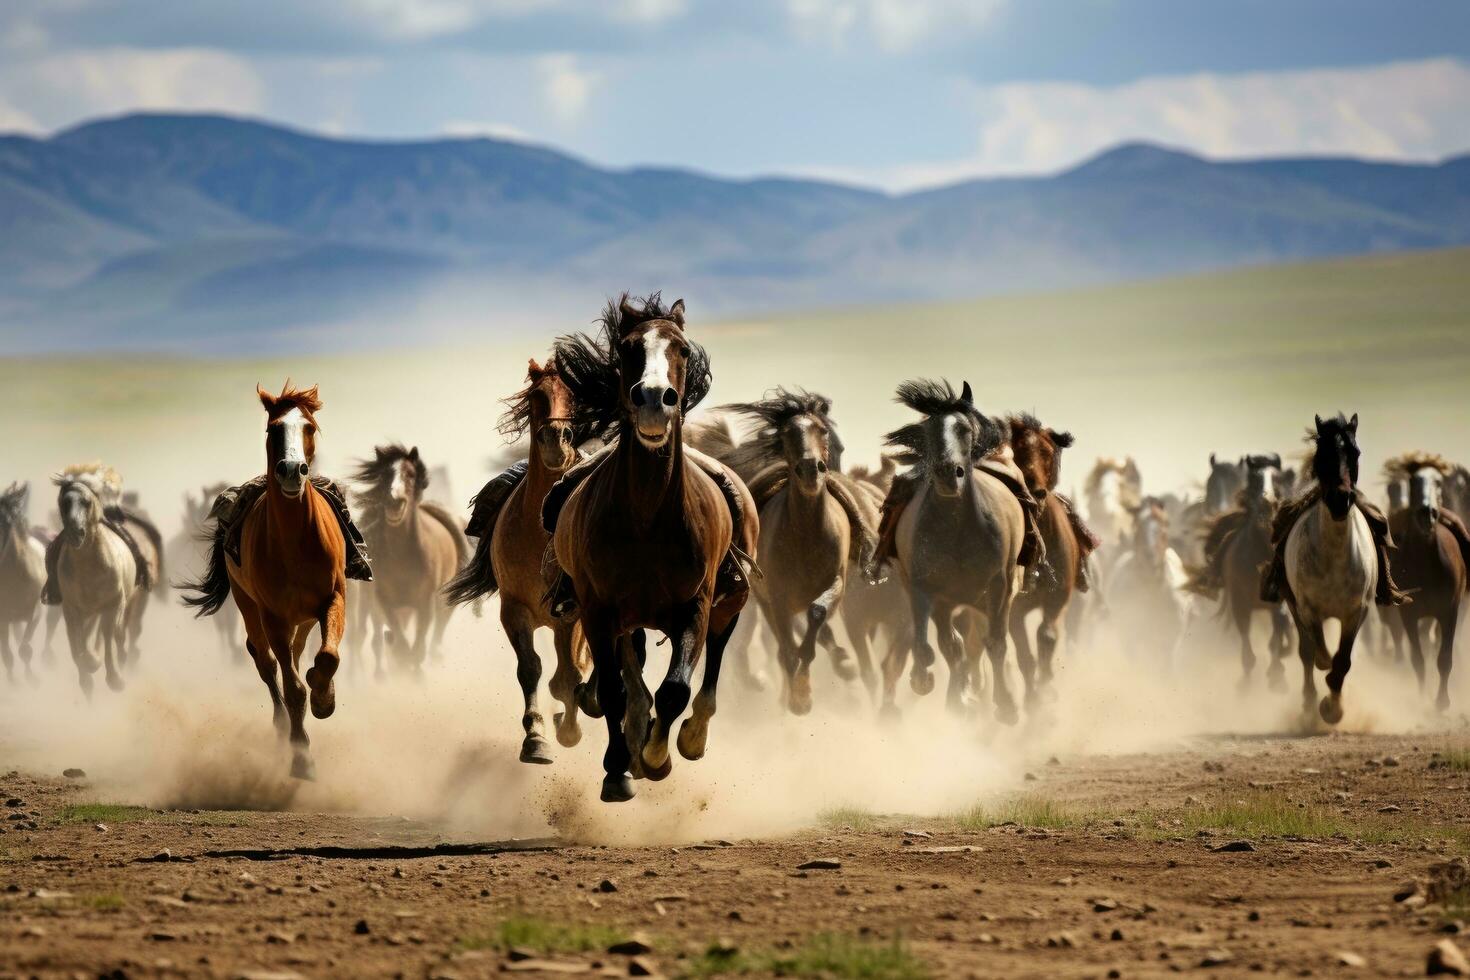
1265,815
546,936
847,817
102,903
832,955
1025,811
1456,759
102,813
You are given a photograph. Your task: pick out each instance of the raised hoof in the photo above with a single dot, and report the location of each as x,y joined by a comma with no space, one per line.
659,773
536,751
323,692
1330,709
842,665
921,681
754,680
587,700
568,732
1006,714
1322,660
691,740
115,682
617,789
303,768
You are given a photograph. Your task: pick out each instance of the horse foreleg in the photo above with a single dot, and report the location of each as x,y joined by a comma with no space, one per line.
257,644
5,653
1309,641
520,628
53,620
637,698
1048,637
995,648
282,637
893,664
1240,612
952,647
78,634
566,679
1280,648
328,658
799,697
423,624
922,677
1342,662
694,733
691,625
856,623
617,783
28,631
1447,623
1025,661
1410,625
112,627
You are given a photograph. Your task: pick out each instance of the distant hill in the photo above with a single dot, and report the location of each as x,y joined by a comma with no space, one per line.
208,232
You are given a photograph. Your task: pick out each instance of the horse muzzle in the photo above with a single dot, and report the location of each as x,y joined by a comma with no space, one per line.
808,476
949,479
1426,518
291,476
1339,503
396,511
653,422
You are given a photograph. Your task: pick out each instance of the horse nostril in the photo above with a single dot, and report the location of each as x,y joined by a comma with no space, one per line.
821,466
959,472
281,470
301,469
671,397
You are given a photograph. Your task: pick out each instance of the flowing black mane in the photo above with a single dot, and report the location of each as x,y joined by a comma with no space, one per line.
13,506
377,473
933,398
590,365
1259,461
772,413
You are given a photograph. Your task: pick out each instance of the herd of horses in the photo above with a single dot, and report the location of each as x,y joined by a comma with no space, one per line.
627,516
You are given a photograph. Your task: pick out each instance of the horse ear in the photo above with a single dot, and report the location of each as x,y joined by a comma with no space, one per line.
266,399
413,454
534,371
1062,439
676,312
1353,424
629,315
1318,420
966,395
1212,459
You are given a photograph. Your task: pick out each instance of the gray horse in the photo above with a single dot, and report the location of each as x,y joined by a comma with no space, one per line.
957,540
22,576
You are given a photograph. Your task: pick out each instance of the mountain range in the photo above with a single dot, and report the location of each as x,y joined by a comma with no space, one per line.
215,233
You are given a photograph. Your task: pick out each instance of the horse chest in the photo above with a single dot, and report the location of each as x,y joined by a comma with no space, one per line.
99,574
803,552
1332,570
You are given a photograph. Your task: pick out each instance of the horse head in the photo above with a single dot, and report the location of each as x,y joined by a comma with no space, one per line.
545,409
654,361
13,503
796,427
1038,453
395,480
1264,482
1151,532
1335,462
950,439
290,436
1226,479
80,503
1426,476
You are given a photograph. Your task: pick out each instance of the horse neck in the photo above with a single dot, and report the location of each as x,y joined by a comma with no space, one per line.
651,480
799,505
11,543
539,476
285,515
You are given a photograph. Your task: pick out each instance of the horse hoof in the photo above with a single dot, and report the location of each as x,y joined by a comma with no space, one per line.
1330,709
115,682
587,700
1322,660
922,682
303,768
659,772
568,732
889,715
691,740
323,693
1006,714
1442,703
617,789
754,680
843,666
536,751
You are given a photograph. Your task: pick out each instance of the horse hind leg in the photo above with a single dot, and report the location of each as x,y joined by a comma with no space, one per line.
1412,632
1025,660
286,644
1447,623
1342,662
858,633
1048,638
1280,649
5,653
893,664
112,626
516,620
995,648
566,680
694,732
1309,642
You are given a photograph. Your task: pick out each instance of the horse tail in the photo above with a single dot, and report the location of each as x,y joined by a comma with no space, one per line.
214,588
476,576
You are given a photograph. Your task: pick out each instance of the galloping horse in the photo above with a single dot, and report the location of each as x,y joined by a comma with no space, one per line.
812,529
650,533
282,555
1113,491
1226,480
1433,552
958,539
22,576
417,547
511,546
103,588
1146,591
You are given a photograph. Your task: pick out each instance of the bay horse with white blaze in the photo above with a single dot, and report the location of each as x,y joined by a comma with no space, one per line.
649,533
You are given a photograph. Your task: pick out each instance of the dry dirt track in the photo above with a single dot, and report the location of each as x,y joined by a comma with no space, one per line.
1118,874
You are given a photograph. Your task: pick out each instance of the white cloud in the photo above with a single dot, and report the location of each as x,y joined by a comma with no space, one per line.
411,20
894,25
499,131
649,11
1410,110
75,84
13,120
566,85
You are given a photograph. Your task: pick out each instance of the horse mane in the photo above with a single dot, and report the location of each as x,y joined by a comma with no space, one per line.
1100,469
515,422
306,399
375,473
771,415
1407,464
1259,461
13,505
930,398
589,365
101,479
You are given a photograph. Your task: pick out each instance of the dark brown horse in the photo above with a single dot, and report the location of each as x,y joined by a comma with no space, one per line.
512,546
812,531
646,533
417,547
1037,452
291,574
1430,562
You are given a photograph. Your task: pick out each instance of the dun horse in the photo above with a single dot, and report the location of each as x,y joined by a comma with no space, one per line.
812,528
22,577
281,550
1430,563
650,533
511,546
1113,491
417,547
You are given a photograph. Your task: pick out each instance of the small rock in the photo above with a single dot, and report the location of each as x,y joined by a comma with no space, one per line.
1390,809
101,828
1390,760
279,938
1353,960
1030,777
1053,761
607,885
362,928
164,855
1408,890
1104,904
1061,940
1233,847
820,864
1445,959
1215,957
635,946
547,966
920,834
1116,936
33,932
519,953
1214,767
74,773
641,966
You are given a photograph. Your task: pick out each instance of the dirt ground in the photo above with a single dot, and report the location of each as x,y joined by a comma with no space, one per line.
1100,866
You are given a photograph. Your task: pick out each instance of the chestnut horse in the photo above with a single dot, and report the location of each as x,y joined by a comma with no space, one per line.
512,546
647,534
291,573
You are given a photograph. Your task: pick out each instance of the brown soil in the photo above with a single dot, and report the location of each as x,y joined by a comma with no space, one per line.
1121,876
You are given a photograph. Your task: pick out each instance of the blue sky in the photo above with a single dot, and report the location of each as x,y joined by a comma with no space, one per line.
899,93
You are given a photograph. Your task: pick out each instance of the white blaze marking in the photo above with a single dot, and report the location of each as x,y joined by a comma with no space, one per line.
293,424
1423,494
399,491
655,361
951,437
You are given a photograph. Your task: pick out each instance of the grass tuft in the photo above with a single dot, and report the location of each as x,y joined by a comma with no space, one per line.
102,903
102,813
1456,759
847,817
1025,811
831,955
545,936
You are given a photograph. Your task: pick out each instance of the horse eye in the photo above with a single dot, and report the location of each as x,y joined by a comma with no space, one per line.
684,350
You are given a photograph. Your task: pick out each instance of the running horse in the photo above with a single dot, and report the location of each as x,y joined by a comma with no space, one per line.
22,577
281,547
506,521
1431,560
1113,491
417,545
650,534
